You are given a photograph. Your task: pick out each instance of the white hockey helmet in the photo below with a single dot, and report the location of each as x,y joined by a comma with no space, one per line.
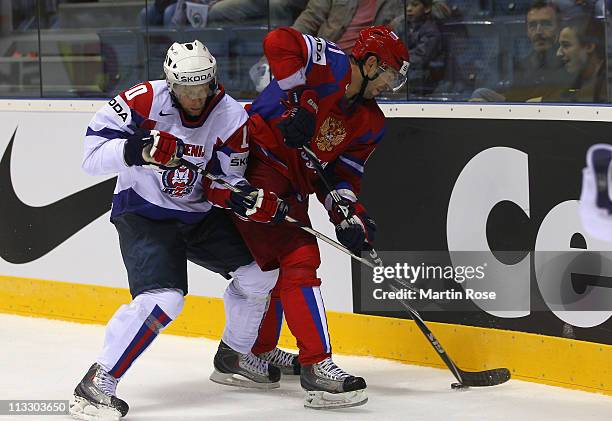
189,64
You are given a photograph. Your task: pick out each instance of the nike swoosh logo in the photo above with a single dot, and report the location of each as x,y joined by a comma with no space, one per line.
29,232
163,114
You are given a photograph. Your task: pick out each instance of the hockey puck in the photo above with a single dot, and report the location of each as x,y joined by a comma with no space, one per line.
458,386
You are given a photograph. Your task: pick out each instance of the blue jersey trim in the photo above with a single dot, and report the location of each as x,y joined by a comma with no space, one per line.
107,133
128,201
270,155
268,104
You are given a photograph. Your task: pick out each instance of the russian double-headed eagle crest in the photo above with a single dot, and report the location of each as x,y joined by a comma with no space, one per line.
331,134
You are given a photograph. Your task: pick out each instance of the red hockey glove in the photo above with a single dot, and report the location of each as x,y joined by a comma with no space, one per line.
155,147
258,205
299,121
165,150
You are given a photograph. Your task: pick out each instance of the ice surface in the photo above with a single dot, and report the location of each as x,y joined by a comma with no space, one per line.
45,359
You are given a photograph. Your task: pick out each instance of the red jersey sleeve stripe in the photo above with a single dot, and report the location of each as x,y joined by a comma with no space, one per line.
139,98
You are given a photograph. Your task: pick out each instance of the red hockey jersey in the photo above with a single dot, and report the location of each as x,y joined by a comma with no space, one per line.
344,136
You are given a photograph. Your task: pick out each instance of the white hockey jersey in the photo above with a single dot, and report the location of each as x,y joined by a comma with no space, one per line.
217,141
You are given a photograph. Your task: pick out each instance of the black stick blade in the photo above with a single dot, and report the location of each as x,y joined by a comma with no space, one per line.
485,378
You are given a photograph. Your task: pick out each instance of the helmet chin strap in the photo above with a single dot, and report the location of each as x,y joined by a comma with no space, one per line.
365,79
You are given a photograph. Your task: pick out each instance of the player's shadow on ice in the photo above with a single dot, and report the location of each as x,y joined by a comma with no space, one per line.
204,393
200,393
403,390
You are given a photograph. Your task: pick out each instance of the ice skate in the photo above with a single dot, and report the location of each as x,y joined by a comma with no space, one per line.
328,386
286,361
244,370
94,397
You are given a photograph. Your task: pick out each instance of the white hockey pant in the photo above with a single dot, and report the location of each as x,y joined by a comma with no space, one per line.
246,299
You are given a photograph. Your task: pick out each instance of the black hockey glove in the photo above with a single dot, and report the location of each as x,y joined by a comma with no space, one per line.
356,231
257,205
299,121
135,143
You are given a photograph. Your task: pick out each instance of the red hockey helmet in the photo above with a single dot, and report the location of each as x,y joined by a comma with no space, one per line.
387,47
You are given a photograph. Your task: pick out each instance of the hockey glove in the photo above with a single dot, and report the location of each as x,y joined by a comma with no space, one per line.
356,231
153,147
299,121
257,205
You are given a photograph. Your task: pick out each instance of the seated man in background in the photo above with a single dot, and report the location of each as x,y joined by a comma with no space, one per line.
541,72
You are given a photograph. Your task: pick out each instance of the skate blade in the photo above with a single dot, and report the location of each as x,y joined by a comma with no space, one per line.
82,409
326,400
231,379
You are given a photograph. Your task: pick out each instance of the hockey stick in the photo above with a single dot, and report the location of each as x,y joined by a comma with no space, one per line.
482,378
289,219
465,378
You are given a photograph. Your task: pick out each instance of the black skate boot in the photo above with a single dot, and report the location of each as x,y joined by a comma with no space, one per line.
328,386
286,361
244,370
94,397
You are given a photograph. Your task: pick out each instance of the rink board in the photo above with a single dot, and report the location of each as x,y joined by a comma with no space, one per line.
543,359
497,184
88,278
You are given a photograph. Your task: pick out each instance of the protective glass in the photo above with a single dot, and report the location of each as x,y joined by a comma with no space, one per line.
393,78
192,91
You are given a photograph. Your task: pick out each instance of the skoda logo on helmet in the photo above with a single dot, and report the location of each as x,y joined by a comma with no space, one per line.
195,79
198,78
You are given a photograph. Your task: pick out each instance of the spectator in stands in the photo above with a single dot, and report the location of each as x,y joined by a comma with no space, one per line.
334,20
541,72
423,39
158,13
244,12
341,20
581,49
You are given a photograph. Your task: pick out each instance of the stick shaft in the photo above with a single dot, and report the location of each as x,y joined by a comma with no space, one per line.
416,317
289,219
